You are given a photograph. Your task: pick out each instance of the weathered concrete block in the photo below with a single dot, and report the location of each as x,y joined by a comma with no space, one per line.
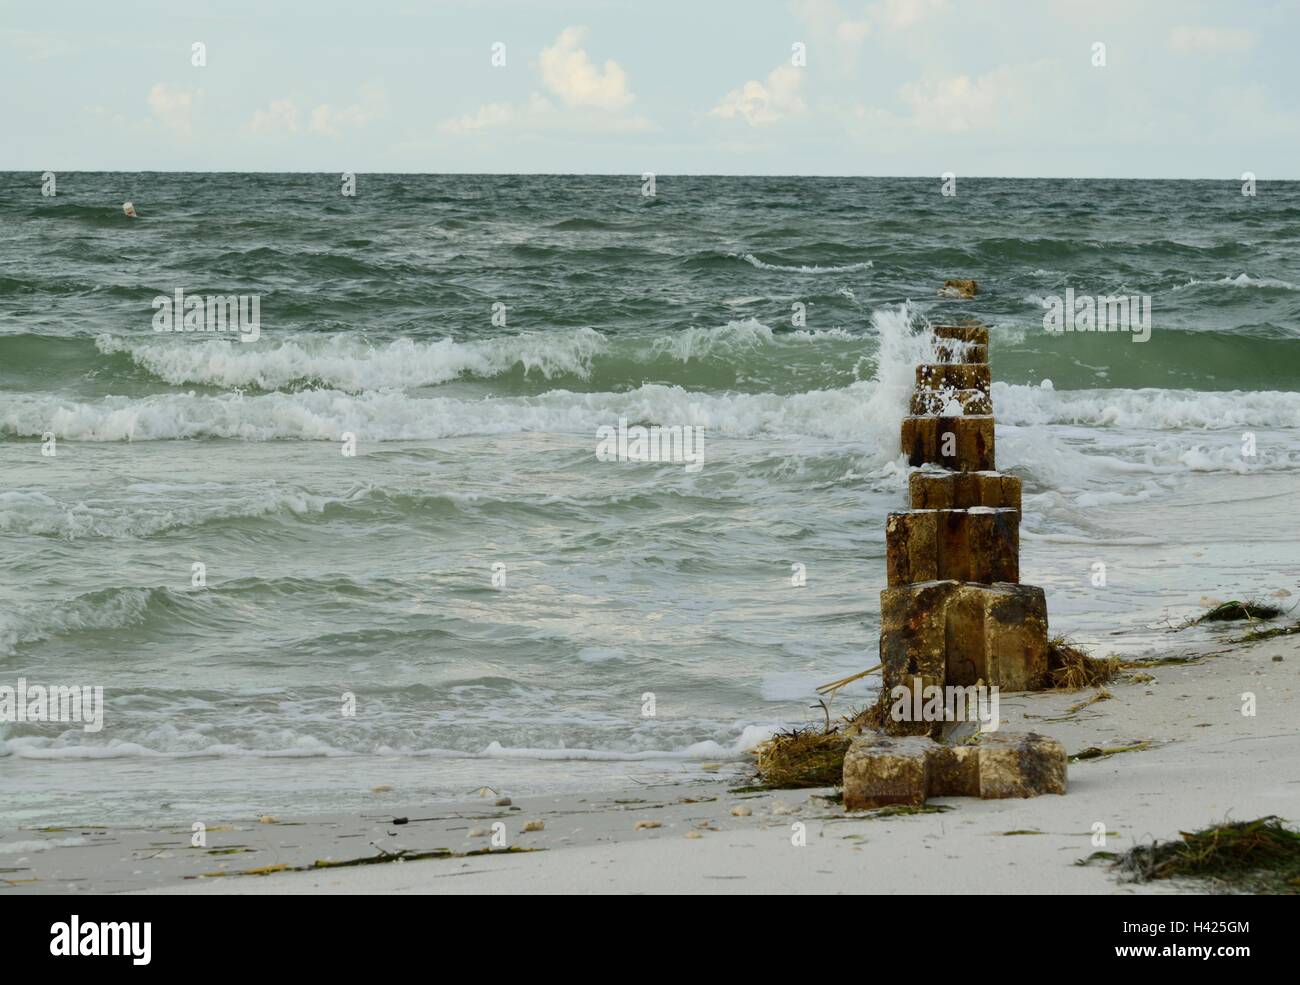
913,640
962,490
962,352
880,770
1020,765
925,441
953,376
954,771
978,334
996,634
945,632
951,403
976,545
883,770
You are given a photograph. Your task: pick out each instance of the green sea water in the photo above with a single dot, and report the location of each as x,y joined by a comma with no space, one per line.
497,600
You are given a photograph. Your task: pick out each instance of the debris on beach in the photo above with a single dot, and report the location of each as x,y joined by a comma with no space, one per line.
534,825
1236,610
1260,856
1096,752
1070,669
647,825
1255,635
801,758
740,810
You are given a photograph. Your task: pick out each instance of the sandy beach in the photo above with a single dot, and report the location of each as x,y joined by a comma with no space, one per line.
1205,762
532,449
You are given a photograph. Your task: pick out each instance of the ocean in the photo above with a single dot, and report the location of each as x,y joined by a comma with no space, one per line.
473,597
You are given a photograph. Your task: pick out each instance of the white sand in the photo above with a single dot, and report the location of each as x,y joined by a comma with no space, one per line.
1207,762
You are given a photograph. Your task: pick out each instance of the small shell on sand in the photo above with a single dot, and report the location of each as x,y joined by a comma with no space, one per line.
693,835
534,825
643,825
477,833
781,807
740,810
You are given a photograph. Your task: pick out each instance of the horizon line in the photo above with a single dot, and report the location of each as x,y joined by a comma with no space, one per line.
631,174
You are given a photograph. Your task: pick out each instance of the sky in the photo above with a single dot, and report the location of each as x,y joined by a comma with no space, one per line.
1016,88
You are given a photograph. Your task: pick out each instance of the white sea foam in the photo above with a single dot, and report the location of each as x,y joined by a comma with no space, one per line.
152,512
354,365
1245,280
735,337
281,744
804,269
347,363
1146,408
850,414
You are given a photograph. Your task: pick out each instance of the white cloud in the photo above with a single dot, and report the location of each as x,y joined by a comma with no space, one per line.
283,116
898,15
568,73
172,107
852,32
591,100
280,117
35,45
330,122
500,114
760,104
829,21
1211,40
961,103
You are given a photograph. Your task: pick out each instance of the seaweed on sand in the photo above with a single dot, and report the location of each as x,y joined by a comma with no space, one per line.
1260,856
1069,668
802,758
1236,610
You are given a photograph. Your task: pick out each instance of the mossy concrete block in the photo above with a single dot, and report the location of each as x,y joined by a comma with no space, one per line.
977,334
962,490
947,632
953,376
1015,764
964,444
954,351
976,545
996,634
954,771
913,640
884,770
950,403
